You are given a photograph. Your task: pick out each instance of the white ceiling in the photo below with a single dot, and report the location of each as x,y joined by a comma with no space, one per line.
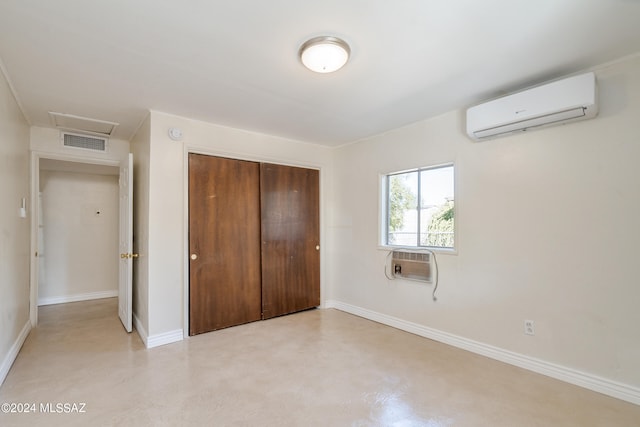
235,62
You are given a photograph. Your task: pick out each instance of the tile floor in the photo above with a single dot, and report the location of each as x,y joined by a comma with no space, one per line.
316,368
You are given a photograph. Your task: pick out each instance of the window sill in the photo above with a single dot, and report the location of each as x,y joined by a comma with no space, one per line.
438,251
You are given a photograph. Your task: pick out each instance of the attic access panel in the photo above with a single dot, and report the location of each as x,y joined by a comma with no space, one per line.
82,124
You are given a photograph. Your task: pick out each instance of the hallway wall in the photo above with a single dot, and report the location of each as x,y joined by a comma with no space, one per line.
80,236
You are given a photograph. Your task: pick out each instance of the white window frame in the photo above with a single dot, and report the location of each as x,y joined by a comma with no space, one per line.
384,211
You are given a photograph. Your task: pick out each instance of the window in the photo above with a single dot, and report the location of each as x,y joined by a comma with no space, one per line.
419,208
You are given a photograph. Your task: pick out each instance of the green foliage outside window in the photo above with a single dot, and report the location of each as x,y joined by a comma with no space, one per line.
401,199
420,208
440,228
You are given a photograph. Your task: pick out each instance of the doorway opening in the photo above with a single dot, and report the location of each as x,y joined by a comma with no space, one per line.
75,227
77,232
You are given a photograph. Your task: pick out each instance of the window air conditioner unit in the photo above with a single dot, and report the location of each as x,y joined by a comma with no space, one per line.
562,101
413,265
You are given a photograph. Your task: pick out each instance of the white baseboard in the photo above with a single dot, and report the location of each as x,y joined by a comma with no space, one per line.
77,297
165,338
142,332
592,382
156,340
8,360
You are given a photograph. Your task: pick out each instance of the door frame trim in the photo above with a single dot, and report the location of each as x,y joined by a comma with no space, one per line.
212,151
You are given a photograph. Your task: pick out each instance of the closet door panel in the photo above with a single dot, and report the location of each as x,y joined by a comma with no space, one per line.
224,243
290,239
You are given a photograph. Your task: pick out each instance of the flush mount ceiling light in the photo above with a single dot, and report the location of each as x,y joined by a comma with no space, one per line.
324,54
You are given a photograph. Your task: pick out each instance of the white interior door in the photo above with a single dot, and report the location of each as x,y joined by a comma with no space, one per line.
125,286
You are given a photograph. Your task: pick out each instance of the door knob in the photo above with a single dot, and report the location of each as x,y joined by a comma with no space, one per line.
317,247
194,257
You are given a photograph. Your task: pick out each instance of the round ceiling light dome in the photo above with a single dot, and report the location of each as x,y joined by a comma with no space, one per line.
324,54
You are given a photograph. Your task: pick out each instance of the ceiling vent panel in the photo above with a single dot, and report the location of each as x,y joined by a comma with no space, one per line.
82,124
84,142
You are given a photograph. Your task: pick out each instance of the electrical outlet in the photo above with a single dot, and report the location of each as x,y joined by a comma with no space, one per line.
529,327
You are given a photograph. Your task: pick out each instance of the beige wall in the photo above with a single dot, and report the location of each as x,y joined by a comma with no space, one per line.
547,227
78,251
14,231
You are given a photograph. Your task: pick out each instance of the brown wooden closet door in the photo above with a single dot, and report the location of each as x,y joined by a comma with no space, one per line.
290,239
224,239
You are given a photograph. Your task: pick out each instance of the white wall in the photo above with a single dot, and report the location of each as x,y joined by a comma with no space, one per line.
167,250
14,231
79,252
547,230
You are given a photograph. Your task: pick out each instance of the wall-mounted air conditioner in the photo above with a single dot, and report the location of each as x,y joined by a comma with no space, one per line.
562,101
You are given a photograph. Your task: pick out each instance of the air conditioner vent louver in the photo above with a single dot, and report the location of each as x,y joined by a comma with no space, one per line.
412,256
84,142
